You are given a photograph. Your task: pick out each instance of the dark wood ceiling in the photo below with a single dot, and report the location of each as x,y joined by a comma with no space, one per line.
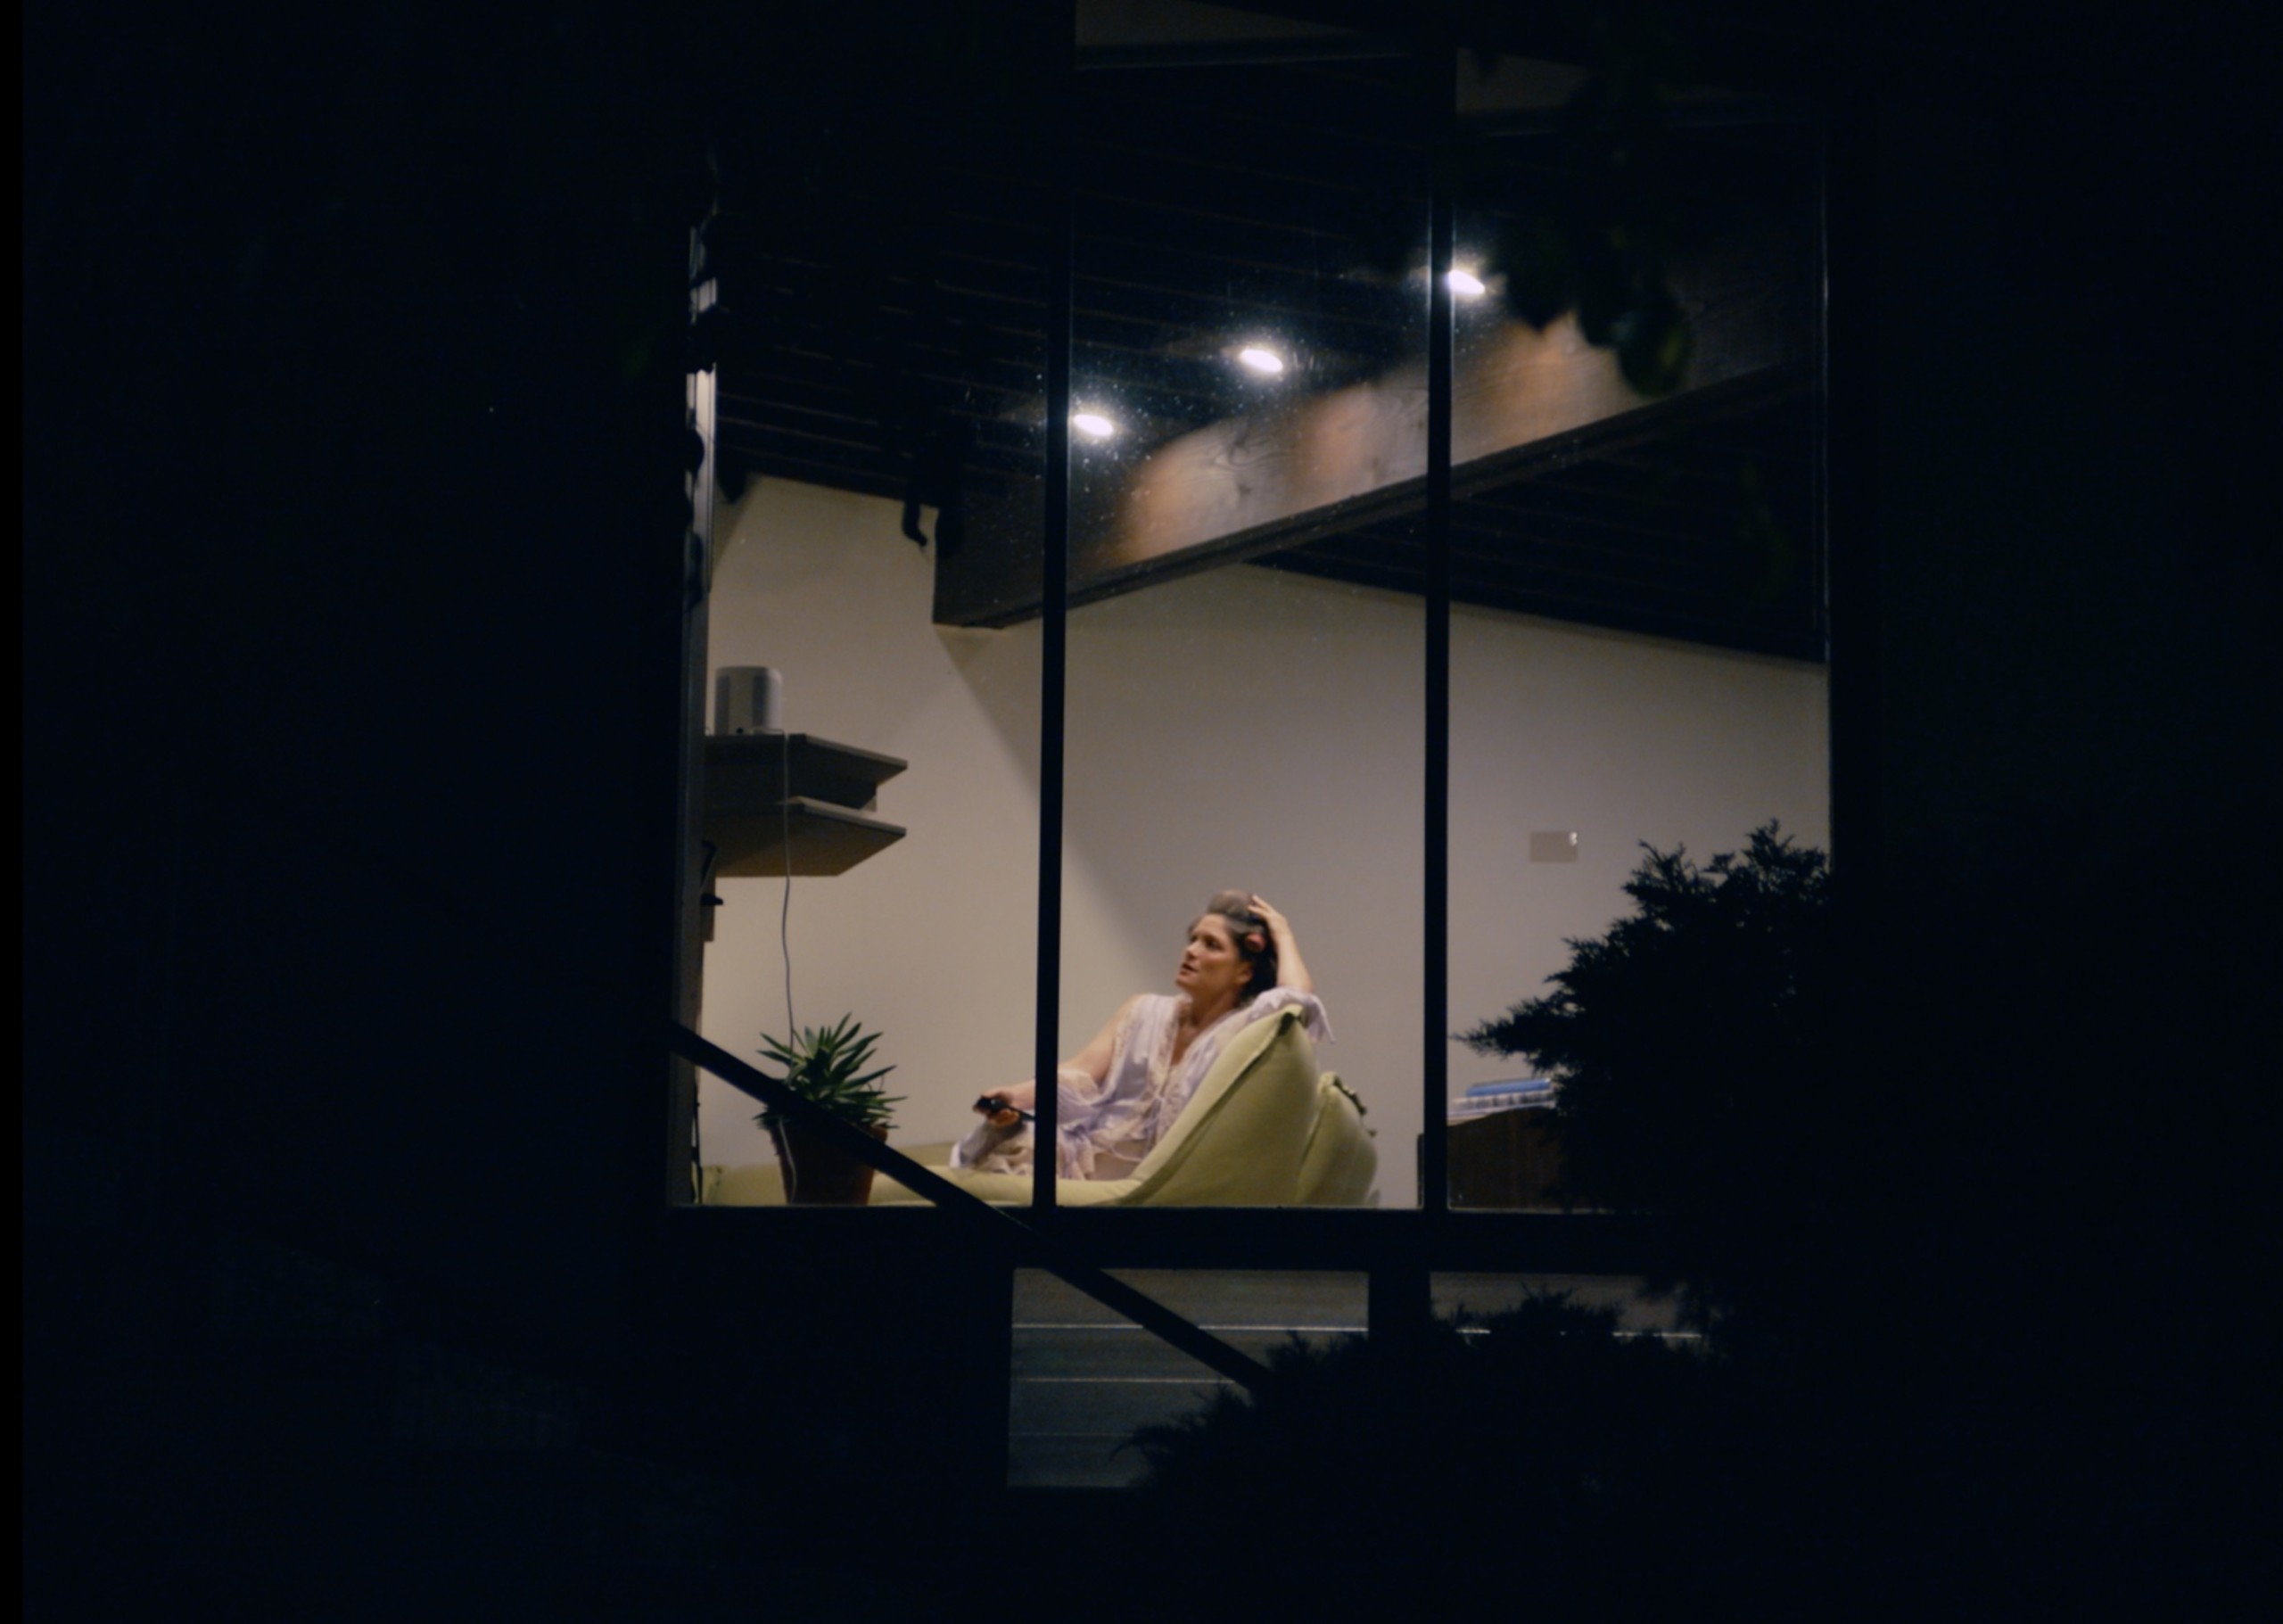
883,309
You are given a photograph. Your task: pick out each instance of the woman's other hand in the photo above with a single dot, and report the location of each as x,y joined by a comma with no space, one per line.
1011,1104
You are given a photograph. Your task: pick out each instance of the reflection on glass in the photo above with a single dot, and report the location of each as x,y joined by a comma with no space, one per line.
1470,1299
1083,1379
1637,637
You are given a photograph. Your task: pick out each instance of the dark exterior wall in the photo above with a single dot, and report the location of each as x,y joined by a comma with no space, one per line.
352,581
353,569
352,578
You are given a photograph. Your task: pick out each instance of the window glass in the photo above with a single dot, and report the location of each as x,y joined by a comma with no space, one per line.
1638,636
1084,1379
880,381
1246,667
1636,1310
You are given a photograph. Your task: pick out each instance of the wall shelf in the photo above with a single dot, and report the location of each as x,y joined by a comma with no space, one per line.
759,788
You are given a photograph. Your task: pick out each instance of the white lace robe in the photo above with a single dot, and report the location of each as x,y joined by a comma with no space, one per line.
1105,1128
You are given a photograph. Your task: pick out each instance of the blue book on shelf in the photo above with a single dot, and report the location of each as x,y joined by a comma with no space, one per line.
1519,1088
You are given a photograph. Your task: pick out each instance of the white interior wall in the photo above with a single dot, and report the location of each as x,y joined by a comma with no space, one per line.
1246,727
1257,729
932,943
1621,740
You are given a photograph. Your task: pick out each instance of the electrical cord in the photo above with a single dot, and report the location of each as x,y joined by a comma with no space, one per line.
785,913
705,899
785,931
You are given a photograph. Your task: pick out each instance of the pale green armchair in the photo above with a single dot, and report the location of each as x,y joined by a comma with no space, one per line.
1263,1129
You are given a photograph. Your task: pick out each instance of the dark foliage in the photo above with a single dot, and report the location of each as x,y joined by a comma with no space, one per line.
1600,239
1334,1415
1537,1451
1695,1047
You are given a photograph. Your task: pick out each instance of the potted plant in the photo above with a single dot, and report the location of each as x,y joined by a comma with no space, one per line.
825,1065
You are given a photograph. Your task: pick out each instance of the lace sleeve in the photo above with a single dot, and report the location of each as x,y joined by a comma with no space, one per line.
1080,1093
1312,1019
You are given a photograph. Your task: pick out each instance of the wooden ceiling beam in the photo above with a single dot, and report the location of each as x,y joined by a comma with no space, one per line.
1721,623
1281,476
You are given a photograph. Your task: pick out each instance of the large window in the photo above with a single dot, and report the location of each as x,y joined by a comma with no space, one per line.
1266,571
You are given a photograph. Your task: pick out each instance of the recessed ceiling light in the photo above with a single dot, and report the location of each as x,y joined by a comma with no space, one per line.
1093,425
1264,361
1465,284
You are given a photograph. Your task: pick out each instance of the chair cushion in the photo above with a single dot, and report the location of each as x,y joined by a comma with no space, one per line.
762,1184
1014,1189
1336,1168
1239,1139
1239,1142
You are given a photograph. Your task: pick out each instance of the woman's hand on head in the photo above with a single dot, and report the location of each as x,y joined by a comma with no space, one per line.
1291,971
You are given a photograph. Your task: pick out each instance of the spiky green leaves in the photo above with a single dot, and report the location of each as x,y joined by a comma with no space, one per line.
825,1065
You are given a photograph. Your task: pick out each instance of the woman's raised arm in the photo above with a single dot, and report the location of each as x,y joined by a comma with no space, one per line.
1291,970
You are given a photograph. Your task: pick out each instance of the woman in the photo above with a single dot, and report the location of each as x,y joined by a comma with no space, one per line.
1121,1093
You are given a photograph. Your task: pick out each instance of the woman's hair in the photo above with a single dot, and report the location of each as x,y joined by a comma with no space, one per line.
1256,943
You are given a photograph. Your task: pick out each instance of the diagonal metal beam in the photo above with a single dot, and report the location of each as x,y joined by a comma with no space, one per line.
999,1226
1525,402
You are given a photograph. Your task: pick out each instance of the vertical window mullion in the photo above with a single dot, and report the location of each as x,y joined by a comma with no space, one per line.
1055,559
1440,73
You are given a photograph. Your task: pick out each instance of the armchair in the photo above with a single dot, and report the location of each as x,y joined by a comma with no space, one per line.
1263,1129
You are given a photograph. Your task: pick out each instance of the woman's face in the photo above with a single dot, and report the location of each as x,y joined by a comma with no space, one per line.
1210,965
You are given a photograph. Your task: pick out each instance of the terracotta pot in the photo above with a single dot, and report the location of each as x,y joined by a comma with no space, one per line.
817,1173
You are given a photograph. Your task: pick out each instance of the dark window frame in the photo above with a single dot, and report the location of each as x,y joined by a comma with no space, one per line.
1401,1249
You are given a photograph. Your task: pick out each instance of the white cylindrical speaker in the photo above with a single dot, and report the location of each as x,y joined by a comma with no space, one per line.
748,699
